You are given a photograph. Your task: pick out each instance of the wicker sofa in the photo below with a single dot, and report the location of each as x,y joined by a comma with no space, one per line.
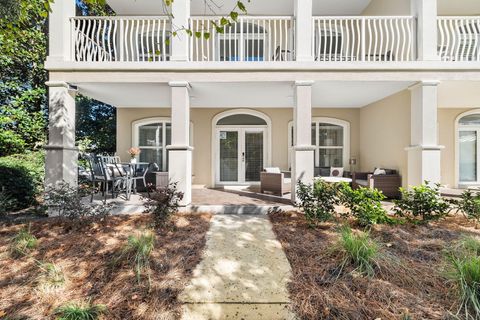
276,182
389,183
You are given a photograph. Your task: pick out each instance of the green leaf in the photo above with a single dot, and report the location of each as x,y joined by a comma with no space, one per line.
234,15
206,35
198,34
241,6
224,21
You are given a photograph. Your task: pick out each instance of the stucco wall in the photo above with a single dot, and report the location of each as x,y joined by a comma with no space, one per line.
202,130
402,7
385,133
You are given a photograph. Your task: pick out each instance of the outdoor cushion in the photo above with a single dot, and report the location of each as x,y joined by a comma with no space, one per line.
379,171
287,180
336,172
273,170
362,182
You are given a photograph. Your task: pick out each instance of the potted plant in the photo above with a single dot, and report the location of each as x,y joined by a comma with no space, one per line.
133,152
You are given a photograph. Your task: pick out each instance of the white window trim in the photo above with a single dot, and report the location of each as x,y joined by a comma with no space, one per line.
458,128
214,142
317,120
142,122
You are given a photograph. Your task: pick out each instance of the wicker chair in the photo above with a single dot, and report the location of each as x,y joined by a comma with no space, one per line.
278,183
389,183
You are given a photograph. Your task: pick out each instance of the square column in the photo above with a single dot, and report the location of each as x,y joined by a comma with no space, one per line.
180,151
60,38
426,13
303,151
62,154
424,151
180,20
304,30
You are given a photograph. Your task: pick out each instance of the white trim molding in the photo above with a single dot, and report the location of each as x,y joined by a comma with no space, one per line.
457,147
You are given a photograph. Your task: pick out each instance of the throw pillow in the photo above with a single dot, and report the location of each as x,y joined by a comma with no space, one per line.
379,171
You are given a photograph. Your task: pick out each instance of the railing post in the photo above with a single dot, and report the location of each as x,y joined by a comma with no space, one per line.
60,35
180,19
303,35
242,43
363,40
426,13
122,40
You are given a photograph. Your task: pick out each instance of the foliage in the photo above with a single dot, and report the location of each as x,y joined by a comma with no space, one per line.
85,311
51,276
358,250
22,243
464,270
68,202
7,203
317,202
137,251
21,178
364,204
421,204
163,202
469,205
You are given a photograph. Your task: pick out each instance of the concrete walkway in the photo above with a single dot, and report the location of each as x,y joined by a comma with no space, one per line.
243,274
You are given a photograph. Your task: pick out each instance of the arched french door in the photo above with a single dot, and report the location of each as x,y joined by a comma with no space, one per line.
468,147
241,146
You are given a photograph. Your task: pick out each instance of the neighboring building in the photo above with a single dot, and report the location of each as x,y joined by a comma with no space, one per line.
294,84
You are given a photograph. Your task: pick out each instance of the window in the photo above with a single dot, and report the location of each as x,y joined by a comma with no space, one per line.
152,136
331,139
154,47
468,143
242,42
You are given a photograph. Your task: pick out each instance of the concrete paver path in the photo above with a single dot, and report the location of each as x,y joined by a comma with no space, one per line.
243,275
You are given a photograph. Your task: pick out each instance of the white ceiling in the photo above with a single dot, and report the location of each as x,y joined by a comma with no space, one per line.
255,7
351,94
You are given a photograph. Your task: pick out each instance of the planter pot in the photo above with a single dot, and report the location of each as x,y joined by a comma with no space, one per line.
133,160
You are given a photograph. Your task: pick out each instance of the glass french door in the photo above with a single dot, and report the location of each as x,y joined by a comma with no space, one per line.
240,155
468,146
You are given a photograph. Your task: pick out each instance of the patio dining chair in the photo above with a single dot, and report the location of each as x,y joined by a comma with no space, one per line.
139,172
109,174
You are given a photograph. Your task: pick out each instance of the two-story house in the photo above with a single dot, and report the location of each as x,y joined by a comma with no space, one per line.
295,84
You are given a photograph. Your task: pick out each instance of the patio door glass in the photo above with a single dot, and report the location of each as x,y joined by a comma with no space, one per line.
468,155
241,155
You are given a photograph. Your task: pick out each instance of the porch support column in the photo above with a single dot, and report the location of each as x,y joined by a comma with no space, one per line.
180,20
302,157
426,13
60,38
424,151
180,151
304,30
61,152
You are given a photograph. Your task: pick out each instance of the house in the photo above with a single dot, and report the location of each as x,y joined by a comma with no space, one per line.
295,84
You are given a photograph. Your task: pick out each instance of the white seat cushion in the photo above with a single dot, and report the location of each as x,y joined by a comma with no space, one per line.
362,182
379,172
273,170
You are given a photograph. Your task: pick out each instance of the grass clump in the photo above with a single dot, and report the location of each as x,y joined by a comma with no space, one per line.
137,251
51,276
80,311
359,250
22,243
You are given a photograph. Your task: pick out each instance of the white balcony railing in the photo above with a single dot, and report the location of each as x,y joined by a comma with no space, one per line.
459,38
364,38
249,39
106,39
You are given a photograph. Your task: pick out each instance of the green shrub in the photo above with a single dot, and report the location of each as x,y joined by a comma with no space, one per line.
163,202
137,251
22,243
7,203
21,177
358,250
422,204
469,205
364,204
80,311
317,202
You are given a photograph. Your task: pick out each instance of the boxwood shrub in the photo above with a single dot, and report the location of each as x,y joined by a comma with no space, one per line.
21,178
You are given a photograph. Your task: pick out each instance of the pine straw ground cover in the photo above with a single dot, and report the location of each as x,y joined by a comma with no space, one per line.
85,258
409,282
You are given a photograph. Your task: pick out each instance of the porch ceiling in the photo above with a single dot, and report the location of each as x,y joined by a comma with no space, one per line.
258,7
337,94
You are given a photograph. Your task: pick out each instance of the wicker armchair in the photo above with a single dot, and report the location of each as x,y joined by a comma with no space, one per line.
388,183
278,183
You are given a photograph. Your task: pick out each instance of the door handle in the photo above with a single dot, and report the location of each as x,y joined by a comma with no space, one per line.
243,156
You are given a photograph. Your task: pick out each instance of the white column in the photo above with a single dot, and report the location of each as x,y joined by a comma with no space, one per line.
60,38
180,20
304,30
62,154
426,13
180,151
302,156
424,151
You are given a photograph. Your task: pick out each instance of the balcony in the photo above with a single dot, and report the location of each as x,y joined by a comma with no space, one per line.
459,38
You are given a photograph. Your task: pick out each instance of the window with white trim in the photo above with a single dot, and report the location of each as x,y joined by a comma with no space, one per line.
152,136
331,139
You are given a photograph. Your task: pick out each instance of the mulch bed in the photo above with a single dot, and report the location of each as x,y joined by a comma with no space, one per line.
411,282
85,255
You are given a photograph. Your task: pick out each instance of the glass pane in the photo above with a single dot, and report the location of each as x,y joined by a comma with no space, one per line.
331,157
152,156
330,135
229,50
228,156
150,135
241,119
253,155
254,50
473,119
314,134
468,156
168,133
